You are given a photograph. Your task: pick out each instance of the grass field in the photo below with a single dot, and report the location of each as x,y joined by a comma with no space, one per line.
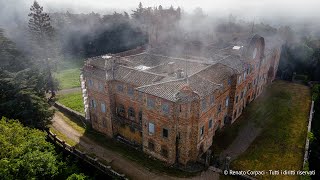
72,100
282,111
68,73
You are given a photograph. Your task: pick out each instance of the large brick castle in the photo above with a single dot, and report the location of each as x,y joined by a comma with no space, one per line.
171,99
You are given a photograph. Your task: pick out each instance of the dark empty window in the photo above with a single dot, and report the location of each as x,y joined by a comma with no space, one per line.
104,122
237,98
242,94
151,145
219,108
165,133
131,112
121,110
140,117
202,131
164,152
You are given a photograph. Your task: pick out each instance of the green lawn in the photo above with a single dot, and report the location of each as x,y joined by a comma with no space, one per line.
283,112
69,78
73,101
68,73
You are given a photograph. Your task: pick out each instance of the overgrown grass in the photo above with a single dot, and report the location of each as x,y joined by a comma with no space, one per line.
68,73
72,100
280,146
63,137
75,124
69,78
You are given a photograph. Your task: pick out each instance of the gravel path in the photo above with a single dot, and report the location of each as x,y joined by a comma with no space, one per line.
132,169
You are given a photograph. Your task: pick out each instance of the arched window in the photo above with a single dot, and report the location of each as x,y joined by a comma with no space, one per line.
121,110
131,113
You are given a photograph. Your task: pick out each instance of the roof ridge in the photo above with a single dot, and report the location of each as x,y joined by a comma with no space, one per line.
210,65
208,80
176,58
142,71
163,82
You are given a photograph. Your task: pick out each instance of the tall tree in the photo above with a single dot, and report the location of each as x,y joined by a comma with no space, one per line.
42,34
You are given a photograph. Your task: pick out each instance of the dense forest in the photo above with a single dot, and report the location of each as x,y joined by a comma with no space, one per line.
26,70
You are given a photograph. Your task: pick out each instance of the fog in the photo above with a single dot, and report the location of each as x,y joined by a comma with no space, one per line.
301,16
266,10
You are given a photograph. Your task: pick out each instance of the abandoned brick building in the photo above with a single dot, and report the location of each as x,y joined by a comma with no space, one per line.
171,99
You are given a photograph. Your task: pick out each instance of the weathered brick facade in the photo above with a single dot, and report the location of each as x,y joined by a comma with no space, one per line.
172,106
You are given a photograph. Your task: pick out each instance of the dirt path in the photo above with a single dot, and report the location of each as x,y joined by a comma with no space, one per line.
130,168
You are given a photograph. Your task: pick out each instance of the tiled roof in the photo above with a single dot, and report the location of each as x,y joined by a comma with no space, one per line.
216,73
166,90
135,77
235,62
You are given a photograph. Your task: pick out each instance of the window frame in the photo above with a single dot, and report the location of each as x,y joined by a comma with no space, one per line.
151,124
163,133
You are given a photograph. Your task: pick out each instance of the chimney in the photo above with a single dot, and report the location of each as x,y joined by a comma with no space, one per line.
180,74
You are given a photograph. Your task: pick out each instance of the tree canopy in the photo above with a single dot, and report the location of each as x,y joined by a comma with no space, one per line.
25,153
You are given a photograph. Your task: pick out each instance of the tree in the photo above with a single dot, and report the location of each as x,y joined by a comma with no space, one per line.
22,97
25,153
10,58
42,34
22,87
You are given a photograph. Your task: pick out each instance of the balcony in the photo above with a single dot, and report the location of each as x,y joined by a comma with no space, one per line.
126,121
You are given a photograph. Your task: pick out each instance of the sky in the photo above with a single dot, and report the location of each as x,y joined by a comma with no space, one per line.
274,12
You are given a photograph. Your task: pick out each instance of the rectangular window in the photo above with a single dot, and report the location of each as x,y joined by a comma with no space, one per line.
90,82
103,107
151,128
100,87
219,108
104,122
165,108
242,94
229,81
151,145
130,91
227,101
237,98
210,123
119,88
150,103
93,103
239,80
211,100
202,131
244,75
164,152
165,133
203,104
140,96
